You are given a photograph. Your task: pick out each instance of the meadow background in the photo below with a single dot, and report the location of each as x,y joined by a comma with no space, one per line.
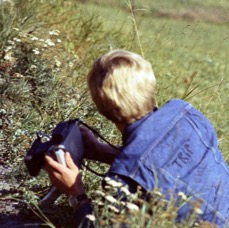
46,50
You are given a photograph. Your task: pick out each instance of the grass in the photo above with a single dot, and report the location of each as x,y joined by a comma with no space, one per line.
46,50
178,51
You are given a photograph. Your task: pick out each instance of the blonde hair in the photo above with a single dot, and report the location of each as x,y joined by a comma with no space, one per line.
122,85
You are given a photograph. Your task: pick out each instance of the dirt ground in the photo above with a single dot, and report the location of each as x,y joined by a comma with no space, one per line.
9,210
16,214
12,212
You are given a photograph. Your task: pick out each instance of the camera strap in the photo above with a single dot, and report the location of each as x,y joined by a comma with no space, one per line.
96,133
99,135
93,171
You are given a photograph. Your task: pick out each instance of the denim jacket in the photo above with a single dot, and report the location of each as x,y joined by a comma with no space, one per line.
175,148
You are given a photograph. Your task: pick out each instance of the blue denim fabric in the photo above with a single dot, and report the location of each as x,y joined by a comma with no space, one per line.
175,148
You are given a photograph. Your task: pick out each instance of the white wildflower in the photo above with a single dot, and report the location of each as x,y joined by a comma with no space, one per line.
115,209
113,183
57,63
132,206
33,38
49,42
22,34
11,42
107,178
17,39
8,56
90,217
125,191
99,203
58,40
41,40
198,211
3,111
71,64
76,57
196,224
54,32
36,51
8,48
107,187
158,193
18,132
18,75
182,195
111,199
33,67
99,193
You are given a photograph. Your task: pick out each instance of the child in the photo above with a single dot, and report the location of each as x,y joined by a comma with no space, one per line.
173,148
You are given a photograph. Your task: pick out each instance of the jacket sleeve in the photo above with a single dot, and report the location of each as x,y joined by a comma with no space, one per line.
81,215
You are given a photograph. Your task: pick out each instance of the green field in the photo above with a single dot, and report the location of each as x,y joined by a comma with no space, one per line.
47,48
188,53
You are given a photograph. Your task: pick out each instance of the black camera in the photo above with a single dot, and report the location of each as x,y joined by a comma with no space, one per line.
65,136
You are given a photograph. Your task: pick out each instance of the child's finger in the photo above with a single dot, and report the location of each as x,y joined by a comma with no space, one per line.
70,163
52,164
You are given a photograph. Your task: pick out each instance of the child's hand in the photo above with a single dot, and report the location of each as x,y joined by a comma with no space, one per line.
66,179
